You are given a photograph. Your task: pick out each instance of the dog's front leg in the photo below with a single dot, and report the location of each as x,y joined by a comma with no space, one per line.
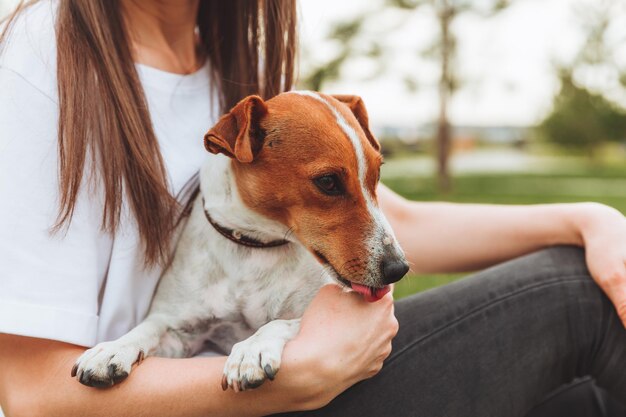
108,363
257,358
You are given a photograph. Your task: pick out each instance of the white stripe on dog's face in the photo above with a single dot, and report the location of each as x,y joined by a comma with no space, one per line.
352,135
381,233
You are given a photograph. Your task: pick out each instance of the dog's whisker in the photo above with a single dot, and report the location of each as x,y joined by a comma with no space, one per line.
288,233
350,265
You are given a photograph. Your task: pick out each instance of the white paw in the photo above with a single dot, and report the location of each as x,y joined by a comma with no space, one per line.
251,362
106,364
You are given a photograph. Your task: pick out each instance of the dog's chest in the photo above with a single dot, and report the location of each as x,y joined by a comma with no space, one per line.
249,295
258,293
224,292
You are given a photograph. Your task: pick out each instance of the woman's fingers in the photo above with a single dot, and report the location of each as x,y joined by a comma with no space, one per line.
604,233
349,337
614,285
607,265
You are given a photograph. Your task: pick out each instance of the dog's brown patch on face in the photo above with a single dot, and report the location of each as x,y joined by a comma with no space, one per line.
303,141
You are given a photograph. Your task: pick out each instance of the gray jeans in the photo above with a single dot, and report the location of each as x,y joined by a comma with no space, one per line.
506,342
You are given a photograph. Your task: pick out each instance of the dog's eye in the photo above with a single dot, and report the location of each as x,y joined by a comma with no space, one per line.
329,184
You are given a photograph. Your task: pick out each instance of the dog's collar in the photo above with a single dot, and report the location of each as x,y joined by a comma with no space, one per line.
240,238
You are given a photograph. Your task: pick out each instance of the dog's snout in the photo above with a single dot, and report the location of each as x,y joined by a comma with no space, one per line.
393,267
393,271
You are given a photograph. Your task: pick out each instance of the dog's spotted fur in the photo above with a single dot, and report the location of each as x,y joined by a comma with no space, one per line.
248,301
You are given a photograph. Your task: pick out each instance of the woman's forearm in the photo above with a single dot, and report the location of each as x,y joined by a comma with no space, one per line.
36,382
447,237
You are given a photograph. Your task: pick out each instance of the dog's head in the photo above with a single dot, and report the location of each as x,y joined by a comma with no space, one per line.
309,161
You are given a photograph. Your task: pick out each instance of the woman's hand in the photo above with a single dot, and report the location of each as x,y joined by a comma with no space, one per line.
342,340
603,230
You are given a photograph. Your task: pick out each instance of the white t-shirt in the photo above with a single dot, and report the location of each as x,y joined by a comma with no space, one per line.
82,286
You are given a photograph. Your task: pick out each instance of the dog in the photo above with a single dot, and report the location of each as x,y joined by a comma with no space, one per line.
288,205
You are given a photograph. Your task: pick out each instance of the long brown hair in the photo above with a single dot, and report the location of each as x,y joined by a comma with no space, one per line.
103,112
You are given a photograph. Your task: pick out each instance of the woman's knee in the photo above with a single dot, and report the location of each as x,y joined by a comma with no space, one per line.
554,269
542,285
551,263
554,262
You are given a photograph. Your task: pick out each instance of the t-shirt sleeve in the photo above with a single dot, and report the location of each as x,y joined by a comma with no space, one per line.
49,282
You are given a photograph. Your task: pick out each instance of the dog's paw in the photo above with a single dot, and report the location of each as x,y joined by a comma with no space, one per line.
106,364
251,362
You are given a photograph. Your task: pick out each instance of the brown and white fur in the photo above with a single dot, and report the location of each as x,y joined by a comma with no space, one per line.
303,167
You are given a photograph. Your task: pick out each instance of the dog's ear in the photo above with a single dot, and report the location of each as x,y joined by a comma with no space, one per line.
355,103
238,133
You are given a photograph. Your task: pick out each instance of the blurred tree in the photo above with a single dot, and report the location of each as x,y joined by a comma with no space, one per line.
352,43
586,112
598,64
581,119
444,50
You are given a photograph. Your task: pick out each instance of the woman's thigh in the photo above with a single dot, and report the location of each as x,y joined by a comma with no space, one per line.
495,344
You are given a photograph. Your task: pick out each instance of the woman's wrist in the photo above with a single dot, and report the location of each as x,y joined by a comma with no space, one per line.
587,218
309,385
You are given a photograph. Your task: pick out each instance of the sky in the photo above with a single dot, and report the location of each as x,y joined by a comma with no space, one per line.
506,63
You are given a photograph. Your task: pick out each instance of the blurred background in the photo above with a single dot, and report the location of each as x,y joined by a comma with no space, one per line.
490,101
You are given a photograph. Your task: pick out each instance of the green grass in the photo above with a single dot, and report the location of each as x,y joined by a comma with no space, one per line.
413,283
577,182
518,189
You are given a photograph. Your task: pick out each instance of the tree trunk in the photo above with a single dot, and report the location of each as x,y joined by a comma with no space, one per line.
445,82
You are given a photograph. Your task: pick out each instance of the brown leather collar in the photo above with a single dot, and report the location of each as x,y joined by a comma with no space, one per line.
240,238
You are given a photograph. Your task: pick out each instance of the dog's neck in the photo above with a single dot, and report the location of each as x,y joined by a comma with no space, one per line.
225,206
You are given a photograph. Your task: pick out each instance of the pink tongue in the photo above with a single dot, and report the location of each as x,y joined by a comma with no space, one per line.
370,294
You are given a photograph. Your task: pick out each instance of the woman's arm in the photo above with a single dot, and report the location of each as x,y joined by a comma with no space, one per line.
342,340
446,237
35,382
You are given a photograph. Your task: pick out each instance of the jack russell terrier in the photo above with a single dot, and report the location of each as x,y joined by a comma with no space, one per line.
292,207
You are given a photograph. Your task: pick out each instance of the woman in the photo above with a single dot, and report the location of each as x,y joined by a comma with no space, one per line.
113,96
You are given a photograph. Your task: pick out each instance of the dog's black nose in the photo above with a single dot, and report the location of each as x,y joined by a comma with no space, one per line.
394,269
